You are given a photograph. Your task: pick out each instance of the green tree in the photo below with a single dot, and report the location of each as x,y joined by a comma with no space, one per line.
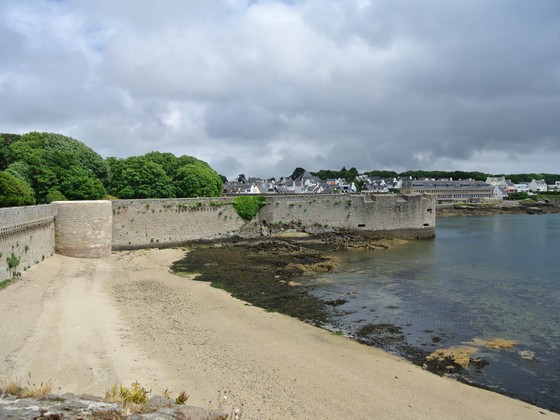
6,140
116,167
55,195
3,155
14,192
297,173
198,180
80,184
43,159
20,170
347,174
142,178
168,162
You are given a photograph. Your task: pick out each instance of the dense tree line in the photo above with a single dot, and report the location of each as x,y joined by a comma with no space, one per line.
477,176
348,174
54,166
163,175
44,167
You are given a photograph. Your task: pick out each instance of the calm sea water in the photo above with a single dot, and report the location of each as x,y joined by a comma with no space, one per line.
484,277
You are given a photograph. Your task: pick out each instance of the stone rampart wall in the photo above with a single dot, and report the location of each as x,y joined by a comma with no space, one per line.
26,236
406,215
171,222
94,228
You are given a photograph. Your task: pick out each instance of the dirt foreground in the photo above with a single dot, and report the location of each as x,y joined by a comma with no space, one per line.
88,324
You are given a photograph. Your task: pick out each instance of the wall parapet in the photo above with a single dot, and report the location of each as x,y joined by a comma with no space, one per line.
26,237
6,230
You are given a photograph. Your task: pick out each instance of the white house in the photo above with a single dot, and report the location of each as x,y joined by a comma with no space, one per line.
521,188
500,192
538,185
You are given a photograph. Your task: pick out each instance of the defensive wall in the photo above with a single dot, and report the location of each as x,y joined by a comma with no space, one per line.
172,222
407,216
26,237
92,229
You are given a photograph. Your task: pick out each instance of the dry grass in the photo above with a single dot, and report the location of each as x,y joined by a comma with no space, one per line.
13,388
31,390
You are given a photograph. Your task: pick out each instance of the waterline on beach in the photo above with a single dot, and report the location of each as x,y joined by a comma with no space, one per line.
490,277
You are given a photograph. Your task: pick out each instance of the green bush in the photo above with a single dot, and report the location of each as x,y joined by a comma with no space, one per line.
247,207
14,192
55,195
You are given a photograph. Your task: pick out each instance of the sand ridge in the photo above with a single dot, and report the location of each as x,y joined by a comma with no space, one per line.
88,324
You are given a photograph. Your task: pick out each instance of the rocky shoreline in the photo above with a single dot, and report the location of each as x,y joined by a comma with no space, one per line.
265,273
505,207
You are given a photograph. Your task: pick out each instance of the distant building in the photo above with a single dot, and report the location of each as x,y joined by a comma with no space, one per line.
522,188
449,191
538,185
554,187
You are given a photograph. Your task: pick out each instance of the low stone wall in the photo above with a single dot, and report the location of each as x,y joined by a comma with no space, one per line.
26,237
172,222
388,214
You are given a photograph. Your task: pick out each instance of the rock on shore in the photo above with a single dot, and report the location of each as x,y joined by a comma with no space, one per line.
70,406
505,207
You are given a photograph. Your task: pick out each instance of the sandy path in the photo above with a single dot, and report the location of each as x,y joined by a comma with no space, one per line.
87,324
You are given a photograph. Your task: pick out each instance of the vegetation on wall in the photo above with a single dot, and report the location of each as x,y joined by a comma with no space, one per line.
247,207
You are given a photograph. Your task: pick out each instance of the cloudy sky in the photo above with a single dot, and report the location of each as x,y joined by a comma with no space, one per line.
264,86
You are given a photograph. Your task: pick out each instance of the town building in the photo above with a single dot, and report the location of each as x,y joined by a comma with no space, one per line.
449,191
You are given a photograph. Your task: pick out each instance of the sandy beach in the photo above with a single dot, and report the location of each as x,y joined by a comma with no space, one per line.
87,324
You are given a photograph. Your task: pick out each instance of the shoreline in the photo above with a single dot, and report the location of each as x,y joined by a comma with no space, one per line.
88,324
505,207
236,280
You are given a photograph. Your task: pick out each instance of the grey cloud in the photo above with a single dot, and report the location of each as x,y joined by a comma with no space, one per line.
261,87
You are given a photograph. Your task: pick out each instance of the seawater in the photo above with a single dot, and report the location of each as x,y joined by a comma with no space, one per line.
481,277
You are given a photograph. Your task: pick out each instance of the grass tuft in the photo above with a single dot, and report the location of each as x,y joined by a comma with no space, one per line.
31,390
38,391
181,398
13,388
136,394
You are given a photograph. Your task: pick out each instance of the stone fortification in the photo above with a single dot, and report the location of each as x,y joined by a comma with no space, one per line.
170,222
83,228
91,229
411,216
26,237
